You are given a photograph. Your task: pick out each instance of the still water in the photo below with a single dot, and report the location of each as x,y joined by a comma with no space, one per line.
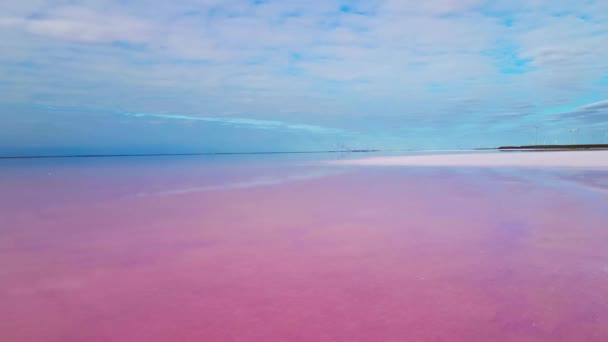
292,248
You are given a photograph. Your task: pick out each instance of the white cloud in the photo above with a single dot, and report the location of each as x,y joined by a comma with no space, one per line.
84,25
386,56
245,122
430,7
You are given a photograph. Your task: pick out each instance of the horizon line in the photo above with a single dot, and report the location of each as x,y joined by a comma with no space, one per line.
183,154
504,148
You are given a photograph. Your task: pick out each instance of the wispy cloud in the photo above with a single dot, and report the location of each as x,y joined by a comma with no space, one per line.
80,24
591,114
245,122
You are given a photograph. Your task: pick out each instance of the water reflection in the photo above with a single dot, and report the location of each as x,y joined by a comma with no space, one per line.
246,184
260,250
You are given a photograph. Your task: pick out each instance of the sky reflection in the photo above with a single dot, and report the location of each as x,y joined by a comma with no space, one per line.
371,254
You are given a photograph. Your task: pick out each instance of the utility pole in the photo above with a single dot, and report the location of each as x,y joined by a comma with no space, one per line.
574,132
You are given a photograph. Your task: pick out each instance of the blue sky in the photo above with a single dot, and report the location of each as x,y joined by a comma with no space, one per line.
119,76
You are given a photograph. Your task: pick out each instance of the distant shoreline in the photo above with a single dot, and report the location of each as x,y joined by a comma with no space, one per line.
555,147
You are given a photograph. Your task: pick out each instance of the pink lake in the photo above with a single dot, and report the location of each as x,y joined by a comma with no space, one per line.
288,248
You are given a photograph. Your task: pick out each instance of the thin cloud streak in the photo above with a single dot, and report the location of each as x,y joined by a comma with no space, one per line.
594,113
251,123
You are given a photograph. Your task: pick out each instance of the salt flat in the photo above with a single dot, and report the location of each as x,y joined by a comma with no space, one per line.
555,159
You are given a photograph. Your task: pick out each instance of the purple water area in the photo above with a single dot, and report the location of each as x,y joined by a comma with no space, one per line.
289,249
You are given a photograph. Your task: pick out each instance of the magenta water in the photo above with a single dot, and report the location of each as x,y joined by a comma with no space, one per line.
289,249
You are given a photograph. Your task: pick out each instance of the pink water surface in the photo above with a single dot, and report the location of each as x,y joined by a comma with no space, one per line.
229,250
